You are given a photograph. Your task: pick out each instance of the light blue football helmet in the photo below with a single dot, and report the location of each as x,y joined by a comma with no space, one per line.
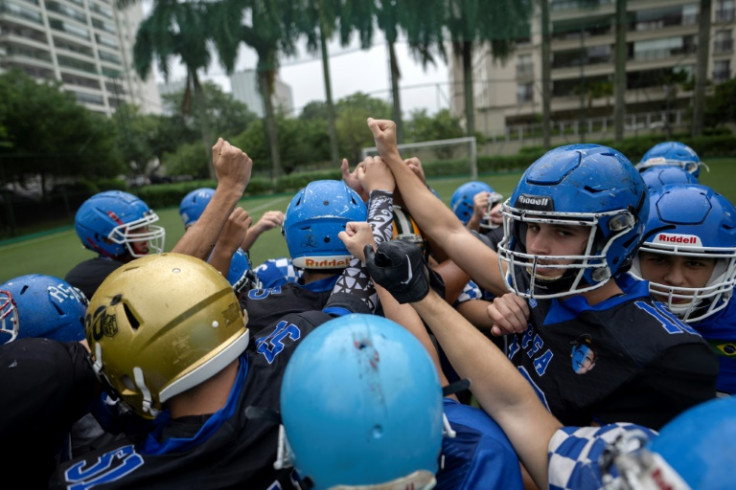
193,204
672,153
585,185
697,449
38,305
361,405
661,175
314,217
695,221
110,222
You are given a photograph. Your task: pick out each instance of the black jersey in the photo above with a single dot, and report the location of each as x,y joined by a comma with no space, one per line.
266,306
46,385
229,449
88,275
626,359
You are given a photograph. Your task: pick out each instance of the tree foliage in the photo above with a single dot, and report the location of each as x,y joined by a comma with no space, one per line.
49,134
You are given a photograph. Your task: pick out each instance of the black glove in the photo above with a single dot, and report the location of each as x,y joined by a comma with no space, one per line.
399,267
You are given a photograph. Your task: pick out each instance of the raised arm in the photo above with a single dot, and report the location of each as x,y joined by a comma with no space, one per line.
230,239
434,218
232,169
496,384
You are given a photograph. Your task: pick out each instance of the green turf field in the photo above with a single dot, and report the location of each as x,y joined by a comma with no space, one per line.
57,251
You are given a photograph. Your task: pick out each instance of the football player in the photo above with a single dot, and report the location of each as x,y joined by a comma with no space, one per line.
571,228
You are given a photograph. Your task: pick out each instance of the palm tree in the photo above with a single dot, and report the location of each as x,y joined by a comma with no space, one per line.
496,22
175,29
701,68
269,28
546,75
619,76
319,22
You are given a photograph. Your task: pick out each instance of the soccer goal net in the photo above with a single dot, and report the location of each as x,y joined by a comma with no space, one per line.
456,156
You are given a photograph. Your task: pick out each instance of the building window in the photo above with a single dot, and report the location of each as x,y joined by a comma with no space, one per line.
724,11
721,71
722,43
525,92
524,66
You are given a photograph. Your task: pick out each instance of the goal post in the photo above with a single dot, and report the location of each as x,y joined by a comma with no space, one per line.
467,142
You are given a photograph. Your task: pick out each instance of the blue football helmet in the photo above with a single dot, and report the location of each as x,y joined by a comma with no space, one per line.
314,217
585,185
276,272
461,201
693,220
368,392
111,222
694,450
241,275
661,175
672,153
193,204
37,305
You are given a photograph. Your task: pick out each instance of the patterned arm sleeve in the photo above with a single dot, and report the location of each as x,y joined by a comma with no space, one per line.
381,215
354,291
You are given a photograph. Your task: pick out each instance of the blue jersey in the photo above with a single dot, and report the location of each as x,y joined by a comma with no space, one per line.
479,456
720,331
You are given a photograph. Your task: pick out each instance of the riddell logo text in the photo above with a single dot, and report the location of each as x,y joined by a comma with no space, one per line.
325,264
542,203
534,201
680,239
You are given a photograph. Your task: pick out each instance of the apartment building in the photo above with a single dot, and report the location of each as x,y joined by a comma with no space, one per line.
84,44
661,39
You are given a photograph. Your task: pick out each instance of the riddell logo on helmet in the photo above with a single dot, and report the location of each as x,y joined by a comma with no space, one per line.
535,202
671,238
326,263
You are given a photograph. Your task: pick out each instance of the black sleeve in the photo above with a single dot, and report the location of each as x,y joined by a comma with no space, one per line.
683,376
46,386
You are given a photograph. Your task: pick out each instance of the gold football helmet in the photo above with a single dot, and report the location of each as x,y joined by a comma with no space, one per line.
405,228
160,325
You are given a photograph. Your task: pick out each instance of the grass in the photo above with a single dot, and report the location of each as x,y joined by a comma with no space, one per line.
56,251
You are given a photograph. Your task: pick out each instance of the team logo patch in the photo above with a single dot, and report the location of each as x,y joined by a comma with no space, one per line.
583,354
100,324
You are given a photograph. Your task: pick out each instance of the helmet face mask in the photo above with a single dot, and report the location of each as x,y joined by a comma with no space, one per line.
8,318
695,223
140,232
405,228
576,272
671,153
160,325
586,185
487,223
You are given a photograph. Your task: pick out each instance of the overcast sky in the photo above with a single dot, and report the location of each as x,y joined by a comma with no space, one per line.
351,70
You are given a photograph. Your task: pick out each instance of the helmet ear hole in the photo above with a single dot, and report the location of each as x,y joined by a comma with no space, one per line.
134,323
127,382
